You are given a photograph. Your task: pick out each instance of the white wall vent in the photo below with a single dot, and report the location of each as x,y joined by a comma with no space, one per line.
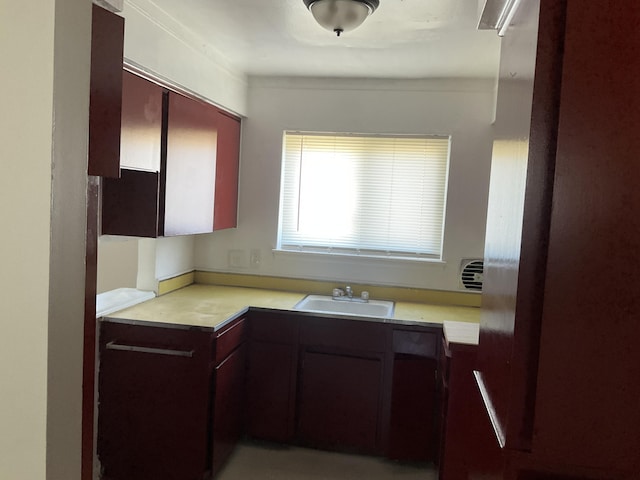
471,274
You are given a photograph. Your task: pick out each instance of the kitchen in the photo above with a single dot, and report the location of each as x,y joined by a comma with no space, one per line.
460,108
59,361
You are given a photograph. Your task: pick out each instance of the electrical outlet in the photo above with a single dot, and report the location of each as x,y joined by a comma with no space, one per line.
237,259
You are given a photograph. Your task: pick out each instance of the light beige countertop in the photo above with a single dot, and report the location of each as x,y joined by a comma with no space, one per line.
212,306
465,333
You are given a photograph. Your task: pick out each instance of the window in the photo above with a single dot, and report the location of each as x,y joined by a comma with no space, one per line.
381,196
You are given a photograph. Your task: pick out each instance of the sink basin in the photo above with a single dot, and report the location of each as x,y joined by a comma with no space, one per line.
326,304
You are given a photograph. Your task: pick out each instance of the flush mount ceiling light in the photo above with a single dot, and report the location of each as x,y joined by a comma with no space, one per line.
341,15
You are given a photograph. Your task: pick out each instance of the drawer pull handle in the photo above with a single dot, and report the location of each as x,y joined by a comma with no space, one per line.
158,351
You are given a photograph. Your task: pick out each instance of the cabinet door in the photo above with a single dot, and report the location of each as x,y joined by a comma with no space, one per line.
153,394
227,165
468,445
105,98
190,166
412,433
228,407
271,383
130,204
340,401
141,138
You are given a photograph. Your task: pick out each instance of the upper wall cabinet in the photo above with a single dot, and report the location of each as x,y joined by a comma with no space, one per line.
141,139
189,172
181,166
227,166
107,44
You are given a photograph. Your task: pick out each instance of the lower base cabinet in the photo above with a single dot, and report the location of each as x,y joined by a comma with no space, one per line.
414,394
272,373
270,391
228,406
175,400
339,402
153,403
413,400
170,400
468,446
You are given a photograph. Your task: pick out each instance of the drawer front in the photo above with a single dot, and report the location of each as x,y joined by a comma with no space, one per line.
154,340
422,344
273,328
344,334
229,338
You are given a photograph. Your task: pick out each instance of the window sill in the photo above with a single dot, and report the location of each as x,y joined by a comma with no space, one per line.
363,257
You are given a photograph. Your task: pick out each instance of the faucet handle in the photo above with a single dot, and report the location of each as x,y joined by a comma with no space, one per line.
338,292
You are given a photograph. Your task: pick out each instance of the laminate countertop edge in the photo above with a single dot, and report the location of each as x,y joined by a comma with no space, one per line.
212,307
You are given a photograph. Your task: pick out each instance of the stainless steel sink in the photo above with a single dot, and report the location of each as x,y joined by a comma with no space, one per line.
326,304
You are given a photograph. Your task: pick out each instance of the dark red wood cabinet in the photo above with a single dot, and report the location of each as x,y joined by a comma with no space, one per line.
342,384
228,392
189,167
467,441
272,370
170,399
131,204
187,150
339,401
153,402
105,97
414,395
558,360
227,171
175,400
142,112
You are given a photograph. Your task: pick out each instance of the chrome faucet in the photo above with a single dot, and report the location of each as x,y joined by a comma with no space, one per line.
346,294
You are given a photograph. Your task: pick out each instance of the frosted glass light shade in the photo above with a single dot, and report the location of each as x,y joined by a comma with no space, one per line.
341,15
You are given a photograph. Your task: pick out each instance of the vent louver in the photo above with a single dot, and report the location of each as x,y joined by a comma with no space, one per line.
471,275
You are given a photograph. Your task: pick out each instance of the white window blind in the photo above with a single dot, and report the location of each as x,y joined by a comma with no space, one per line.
363,195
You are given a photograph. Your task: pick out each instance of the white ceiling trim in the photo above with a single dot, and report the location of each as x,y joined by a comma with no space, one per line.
184,34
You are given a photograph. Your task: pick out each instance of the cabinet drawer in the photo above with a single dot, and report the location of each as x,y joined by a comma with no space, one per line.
422,344
273,328
229,338
154,339
346,334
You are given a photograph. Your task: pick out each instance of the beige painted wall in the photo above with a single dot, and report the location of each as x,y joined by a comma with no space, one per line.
460,108
117,263
160,44
42,206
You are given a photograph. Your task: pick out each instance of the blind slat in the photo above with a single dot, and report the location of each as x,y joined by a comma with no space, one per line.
368,195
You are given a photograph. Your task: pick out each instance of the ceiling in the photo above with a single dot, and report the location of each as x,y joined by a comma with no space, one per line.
402,39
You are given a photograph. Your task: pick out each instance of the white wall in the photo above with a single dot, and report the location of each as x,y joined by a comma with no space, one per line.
142,262
117,262
462,109
43,211
163,46
174,256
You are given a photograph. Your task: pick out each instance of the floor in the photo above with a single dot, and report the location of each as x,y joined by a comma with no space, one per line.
275,462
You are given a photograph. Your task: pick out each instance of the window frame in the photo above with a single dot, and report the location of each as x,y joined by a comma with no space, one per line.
328,250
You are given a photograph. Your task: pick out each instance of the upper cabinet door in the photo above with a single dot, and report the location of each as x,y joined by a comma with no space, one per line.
227,166
141,123
190,170
107,44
